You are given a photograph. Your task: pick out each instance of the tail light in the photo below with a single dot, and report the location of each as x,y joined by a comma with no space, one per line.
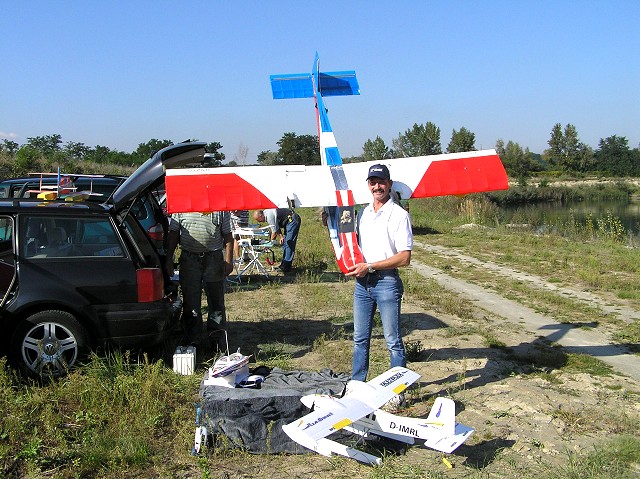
150,285
156,232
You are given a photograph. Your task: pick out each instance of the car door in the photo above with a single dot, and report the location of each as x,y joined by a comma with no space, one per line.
7,258
79,260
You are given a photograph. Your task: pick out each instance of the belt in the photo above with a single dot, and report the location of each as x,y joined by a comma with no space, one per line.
384,272
200,255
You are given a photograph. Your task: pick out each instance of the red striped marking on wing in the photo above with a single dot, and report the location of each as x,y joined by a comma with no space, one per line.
215,192
461,176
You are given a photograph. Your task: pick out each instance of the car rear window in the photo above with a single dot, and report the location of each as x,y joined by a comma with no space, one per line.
56,237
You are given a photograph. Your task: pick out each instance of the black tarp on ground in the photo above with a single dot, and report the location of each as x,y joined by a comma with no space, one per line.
253,418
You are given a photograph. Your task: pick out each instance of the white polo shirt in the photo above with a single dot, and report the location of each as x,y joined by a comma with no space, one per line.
384,233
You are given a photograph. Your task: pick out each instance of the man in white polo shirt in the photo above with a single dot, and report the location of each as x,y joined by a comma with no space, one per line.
386,239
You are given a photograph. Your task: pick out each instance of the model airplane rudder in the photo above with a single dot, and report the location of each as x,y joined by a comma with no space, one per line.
443,414
318,84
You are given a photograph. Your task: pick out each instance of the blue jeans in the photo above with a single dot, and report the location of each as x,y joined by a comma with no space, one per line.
291,230
383,289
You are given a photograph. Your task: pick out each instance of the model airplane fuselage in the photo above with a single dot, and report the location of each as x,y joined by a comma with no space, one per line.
358,412
332,185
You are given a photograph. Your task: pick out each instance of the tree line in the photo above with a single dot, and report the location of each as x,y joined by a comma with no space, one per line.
51,150
566,154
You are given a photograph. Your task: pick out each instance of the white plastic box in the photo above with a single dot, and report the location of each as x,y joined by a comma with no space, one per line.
184,360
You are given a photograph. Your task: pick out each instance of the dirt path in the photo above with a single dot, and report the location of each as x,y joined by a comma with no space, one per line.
625,314
575,339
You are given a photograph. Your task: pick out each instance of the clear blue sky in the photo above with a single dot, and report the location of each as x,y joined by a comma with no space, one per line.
118,73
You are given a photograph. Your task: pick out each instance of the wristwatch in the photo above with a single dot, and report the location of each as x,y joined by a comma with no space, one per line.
370,269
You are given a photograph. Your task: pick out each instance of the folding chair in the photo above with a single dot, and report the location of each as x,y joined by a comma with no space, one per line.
255,247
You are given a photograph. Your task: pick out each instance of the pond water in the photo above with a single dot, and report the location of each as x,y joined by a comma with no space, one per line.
628,212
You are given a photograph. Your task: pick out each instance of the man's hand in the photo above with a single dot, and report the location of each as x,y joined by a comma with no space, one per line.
228,268
359,270
168,266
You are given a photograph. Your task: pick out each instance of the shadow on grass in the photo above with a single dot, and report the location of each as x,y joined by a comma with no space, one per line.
540,356
425,230
482,454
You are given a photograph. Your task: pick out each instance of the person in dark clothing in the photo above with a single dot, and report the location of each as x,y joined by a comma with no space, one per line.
206,259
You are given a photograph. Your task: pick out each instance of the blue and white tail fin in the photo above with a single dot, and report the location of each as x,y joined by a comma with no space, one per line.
318,85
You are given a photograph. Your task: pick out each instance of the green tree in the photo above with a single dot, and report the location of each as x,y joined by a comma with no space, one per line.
576,156
614,157
98,154
462,140
375,150
214,156
298,150
516,161
584,160
418,140
556,146
566,151
46,145
148,149
27,158
635,161
121,158
9,146
267,158
76,151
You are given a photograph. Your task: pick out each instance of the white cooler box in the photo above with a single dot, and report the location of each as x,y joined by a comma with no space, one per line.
184,360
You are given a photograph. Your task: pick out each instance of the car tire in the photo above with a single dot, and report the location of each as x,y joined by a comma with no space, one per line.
48,343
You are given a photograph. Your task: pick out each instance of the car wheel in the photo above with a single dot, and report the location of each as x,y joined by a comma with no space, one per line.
48,343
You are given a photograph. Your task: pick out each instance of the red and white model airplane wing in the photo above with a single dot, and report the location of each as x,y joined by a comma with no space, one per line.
248,188
257,187
333,185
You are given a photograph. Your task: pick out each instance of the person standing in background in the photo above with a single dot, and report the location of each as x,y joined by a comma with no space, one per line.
206,259
284,223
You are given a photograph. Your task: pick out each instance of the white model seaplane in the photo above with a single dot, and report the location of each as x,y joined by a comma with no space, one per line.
358,412
332,185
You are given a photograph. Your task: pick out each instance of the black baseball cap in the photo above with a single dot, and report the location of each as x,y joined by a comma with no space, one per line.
379,171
